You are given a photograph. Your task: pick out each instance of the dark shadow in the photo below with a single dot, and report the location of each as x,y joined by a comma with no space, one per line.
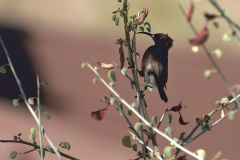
14,42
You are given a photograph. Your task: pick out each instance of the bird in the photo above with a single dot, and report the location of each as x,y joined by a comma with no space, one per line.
154,67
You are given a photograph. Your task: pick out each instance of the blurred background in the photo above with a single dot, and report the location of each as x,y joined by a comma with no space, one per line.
60,35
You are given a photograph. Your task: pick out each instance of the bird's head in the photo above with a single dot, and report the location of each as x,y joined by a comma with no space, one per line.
161,40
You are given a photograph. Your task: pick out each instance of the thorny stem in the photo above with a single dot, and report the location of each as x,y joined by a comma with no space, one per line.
26,101
38,147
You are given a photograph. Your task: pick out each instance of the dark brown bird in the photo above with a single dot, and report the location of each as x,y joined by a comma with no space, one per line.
155,63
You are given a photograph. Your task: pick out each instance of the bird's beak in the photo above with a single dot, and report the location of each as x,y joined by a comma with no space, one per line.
151,35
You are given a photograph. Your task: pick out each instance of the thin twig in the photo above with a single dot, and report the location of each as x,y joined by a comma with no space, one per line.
38,147
139,116
39,114
213,62
135,132
229,21
25,99
159,123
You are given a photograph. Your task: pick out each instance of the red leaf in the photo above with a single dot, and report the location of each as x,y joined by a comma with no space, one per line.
181,120
190,12
99,115
200,38
122,60
210,16
183,157
176,108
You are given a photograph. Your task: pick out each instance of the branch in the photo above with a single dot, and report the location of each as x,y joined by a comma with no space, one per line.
229,21
38,147
139,116
25,99
213,62
39,114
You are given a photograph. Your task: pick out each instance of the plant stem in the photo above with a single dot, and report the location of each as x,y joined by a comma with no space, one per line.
25,99
39,114
225,81
38,147
142,118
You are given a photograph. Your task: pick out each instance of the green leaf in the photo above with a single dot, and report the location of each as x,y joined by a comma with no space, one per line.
207,74
116,21
129,112
13,154
134,105
225,101
31,100
201,153
125,43
95,80
96,68
33,130
112,100
112,84
154,119
137,126
124,70
207,117
126,141
169,118
149,87
2,70
121,107
113,17
181,135
15,103
169,131
83,65
198,120
41,108
168,151
129,23
147,26
65,145
32,137
134,147
231,115
227,38
207,127
111,75
141,28
49,149
218,53
15,138
217,103
45,83
216,24
47,115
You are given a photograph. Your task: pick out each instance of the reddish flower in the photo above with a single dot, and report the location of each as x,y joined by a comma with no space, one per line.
200,38
119,41
141,16
190,12
128,5
106,66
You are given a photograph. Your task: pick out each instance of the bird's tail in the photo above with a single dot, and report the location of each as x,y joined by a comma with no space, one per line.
162,94
161,90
